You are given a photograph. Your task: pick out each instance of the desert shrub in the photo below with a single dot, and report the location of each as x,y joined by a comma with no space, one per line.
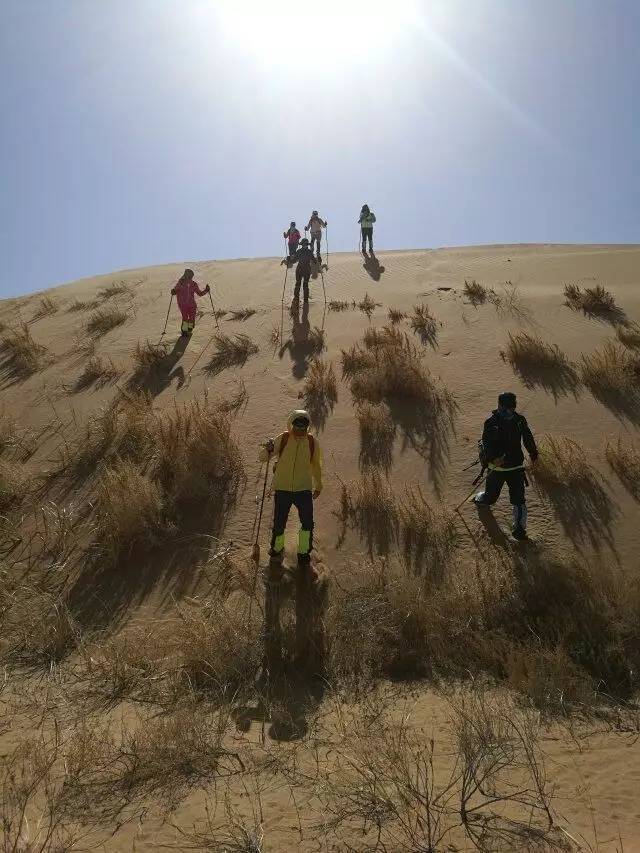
611,370
428,535
148,356
8,433
529,350
22,355
97,371
624,459
235,402
116,288
424,324
230,352
562,461
475,292
629,336
104,319
368,305
320,390
46,306
396,316
316,341
369,505
377,434
129,508
38,628
339,305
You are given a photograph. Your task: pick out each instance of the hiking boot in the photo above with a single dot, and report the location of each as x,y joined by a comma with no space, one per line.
518,532
275,559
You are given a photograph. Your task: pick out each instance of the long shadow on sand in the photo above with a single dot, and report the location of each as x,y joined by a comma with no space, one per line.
156,379
625,405
372,265
302,346
560,381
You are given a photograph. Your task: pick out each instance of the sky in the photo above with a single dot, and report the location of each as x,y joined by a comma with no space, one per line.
143,132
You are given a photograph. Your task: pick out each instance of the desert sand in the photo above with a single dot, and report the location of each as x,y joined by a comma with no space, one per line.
596,769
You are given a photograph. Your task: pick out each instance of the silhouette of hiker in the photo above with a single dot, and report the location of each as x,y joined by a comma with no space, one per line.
365,221
298,344
372,266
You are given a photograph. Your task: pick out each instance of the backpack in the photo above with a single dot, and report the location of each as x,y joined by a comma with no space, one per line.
283,444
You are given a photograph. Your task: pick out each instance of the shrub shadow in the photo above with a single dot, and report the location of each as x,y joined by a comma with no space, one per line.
561,380
585,513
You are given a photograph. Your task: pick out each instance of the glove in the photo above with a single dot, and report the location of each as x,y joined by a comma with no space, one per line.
270,446
173,291
207,289
316,494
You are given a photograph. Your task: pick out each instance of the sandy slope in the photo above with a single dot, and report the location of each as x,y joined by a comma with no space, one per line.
466,357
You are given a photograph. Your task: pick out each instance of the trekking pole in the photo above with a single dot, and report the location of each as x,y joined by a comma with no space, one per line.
475,486
167,320
286,270
323,287
326,241
255,551
214,311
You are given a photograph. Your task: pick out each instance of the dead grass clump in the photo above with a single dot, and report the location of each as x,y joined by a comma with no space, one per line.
116,288
475,292
236,402
148,356
320,391
377,434
370,506
197,431
624,460
396,316
562,461
339,305
13,485
38,627
129,507
428,535
424,324
316,341
596,301
629,336
528,350
23,356
368,305
230,352
46,306
274,336
104,319
97,371
612,371
242,315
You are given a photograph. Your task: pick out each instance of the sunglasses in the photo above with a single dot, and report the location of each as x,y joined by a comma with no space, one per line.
300,423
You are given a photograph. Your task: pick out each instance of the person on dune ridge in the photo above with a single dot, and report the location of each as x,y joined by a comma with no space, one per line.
315,226
185,292
303,258
292,236
365,221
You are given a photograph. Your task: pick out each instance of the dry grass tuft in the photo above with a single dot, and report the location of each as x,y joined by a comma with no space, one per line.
596,301
424,324
116,288
242,315
237,401
612,372
629,336
368,305
624,459
104,319
528,350
396,316
230,352
130,508
320,391
377,434
475,292
22,355
80,305
274,336
13,485
316,341
99,372
562,462
46,306
339,305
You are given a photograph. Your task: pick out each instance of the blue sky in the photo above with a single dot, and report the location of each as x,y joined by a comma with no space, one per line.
139,132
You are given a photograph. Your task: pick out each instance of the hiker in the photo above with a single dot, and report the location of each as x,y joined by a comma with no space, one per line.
297,482
303,258
365,221
502,438
292,236
185,291
315,226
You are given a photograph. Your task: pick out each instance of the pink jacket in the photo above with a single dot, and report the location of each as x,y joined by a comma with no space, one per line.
185,291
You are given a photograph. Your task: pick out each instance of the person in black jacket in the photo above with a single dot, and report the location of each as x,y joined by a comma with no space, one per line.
503,435
303,258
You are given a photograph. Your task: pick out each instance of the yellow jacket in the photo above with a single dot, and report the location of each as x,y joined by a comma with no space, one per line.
295,469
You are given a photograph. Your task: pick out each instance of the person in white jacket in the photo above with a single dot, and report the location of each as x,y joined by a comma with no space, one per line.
366,219
315,226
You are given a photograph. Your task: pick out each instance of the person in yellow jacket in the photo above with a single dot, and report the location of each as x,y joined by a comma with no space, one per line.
297,482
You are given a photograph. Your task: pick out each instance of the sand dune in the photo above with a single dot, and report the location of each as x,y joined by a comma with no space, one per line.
53,397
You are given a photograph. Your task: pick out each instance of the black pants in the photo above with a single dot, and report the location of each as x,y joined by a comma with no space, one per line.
515,480
293,248
367,233
316,238
283,501
302,276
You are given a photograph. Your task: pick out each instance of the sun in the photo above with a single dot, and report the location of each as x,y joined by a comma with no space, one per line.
312,38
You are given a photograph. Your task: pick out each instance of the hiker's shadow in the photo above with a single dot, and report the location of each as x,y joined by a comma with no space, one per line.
372,265
302,345
487,519
284,704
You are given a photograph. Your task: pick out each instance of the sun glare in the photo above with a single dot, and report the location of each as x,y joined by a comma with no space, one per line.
313,38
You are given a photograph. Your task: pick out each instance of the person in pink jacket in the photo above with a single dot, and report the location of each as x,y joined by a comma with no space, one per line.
185,292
